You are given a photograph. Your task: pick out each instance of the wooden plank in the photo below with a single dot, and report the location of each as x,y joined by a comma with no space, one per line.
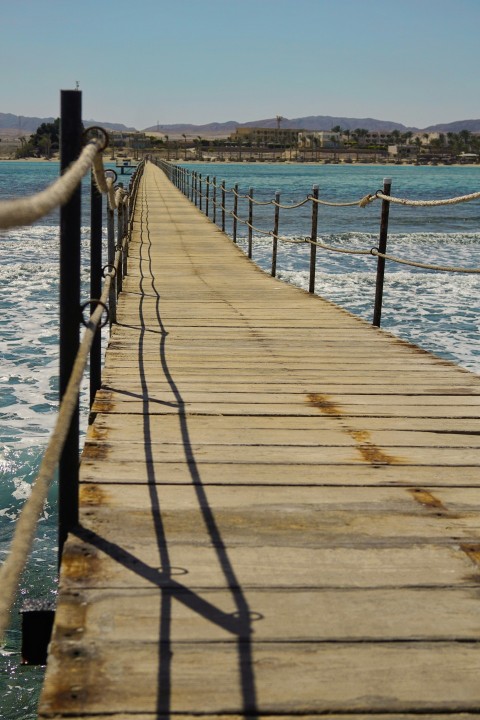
216,430
104,561
286,615
314,517
275,474
157,407
361,453
305,678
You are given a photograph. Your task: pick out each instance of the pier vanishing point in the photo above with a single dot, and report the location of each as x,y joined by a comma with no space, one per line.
279,504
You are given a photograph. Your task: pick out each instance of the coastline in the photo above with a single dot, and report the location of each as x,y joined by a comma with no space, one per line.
29,160
255,162
307,163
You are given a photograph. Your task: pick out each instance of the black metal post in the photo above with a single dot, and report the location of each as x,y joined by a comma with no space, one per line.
200,205
235,212
70,224
95,282
313,238
112,296
382,247
214,200
223,205
275,234
207,199
250,222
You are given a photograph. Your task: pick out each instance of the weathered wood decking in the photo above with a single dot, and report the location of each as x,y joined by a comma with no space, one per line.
280,504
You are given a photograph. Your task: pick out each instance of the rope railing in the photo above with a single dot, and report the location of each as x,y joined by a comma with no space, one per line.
427,203
425,266
64,193
24,534
191,184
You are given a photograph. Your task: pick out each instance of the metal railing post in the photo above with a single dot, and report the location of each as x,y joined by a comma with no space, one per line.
207,196
200,204
223,205
276,223
313,238
214,200
382,247
95,282
112,296
119,247
70,256
235,212
250,222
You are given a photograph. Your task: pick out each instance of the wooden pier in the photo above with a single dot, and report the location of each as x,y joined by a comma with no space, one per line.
279,504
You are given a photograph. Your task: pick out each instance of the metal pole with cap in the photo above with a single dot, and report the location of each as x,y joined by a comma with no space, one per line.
382,248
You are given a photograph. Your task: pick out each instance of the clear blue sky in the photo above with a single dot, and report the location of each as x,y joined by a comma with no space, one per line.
139,62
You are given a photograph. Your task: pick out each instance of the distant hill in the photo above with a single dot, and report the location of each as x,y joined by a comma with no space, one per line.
311,122
214,128
26,125
109,126
21,123
455,127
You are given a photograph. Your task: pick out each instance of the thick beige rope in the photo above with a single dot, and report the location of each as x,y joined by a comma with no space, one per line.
12,568
427,203
427,266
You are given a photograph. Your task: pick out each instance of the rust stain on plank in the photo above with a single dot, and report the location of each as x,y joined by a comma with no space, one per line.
425,497
80,563
324,404
473,552
91,495
94,451
369,451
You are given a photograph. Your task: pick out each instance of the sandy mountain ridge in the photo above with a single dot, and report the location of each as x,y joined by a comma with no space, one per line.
11,124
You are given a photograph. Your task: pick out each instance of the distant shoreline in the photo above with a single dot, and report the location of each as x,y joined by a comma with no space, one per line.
29,160
265,162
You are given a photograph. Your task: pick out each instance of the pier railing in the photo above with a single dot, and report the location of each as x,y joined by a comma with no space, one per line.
81,152
219,202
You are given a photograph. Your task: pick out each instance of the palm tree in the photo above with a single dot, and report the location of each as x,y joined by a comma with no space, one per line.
466,138
361,134
185,140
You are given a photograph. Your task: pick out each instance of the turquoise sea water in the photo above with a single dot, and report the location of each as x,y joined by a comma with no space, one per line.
439,311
